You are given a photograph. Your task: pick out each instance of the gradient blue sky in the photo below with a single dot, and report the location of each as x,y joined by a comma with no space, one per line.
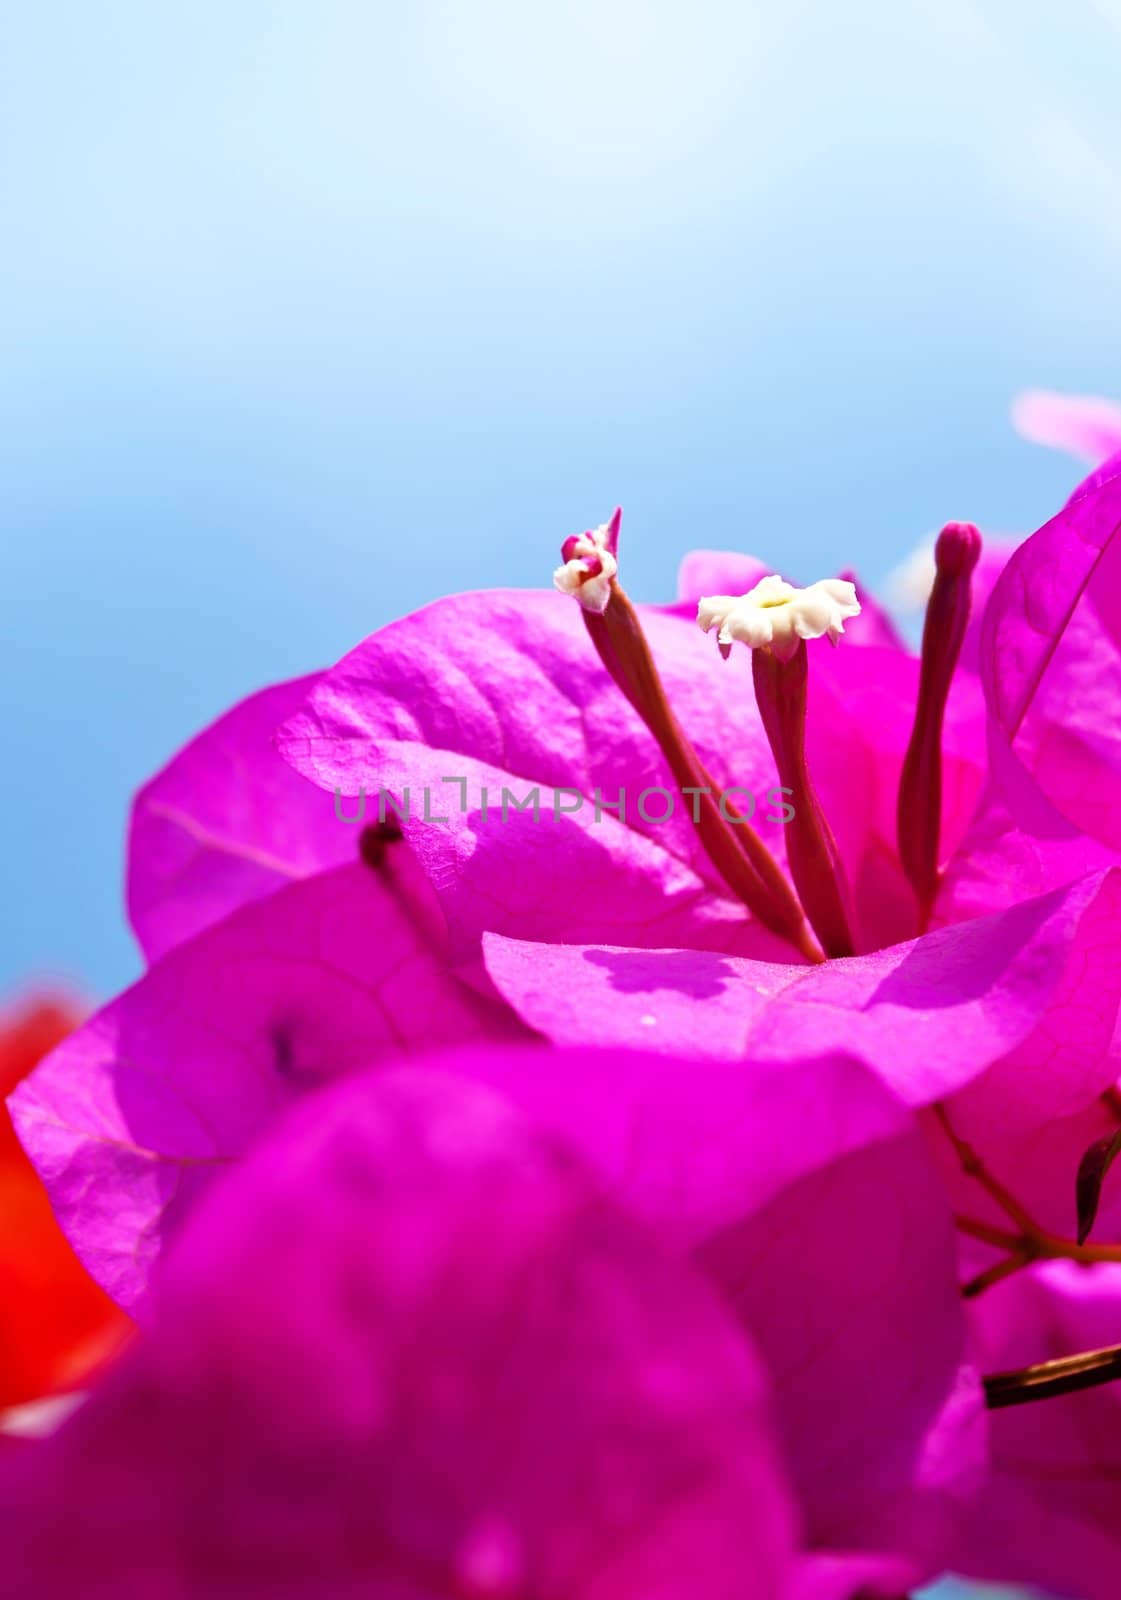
312,312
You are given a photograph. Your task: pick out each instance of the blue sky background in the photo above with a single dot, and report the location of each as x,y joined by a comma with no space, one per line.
311,312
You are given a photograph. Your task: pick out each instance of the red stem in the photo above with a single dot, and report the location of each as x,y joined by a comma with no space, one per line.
815,862
735,849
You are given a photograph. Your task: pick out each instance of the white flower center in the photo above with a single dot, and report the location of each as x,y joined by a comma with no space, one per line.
588,568
777,616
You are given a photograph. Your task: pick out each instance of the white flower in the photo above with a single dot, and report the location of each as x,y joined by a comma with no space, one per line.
589,565
775,615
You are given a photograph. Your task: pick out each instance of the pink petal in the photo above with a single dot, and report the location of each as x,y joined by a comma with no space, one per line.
410,1350
862,707
134,1114
1032,991
226,822
1093,480
835,1575
679,1002
705,572
860,1324
1017,847
1051,662
1085,425
995,553
503,691
874,625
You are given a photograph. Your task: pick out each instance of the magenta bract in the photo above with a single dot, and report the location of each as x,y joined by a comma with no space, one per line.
682,1219
411,1349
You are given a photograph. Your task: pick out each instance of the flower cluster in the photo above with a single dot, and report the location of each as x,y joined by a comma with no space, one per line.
630,1207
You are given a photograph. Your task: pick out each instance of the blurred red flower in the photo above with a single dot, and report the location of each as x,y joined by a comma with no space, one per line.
56,1325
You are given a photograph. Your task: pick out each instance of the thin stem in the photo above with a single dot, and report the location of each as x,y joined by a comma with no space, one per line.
1041,1246
999,1270
1047,1379
999,1238
973,1167
781,690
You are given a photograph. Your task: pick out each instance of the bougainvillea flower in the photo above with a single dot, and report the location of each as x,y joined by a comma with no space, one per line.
504,689
515,770
490,692
56,1324
411,1349
183,1071
702,1152
132,1116
425,1195
1007,1019
500,694
1009,983
227,821
399,712
224,823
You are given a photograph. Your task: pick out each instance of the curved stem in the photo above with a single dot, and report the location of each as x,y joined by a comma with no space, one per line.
815,861
734,847
974,1167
